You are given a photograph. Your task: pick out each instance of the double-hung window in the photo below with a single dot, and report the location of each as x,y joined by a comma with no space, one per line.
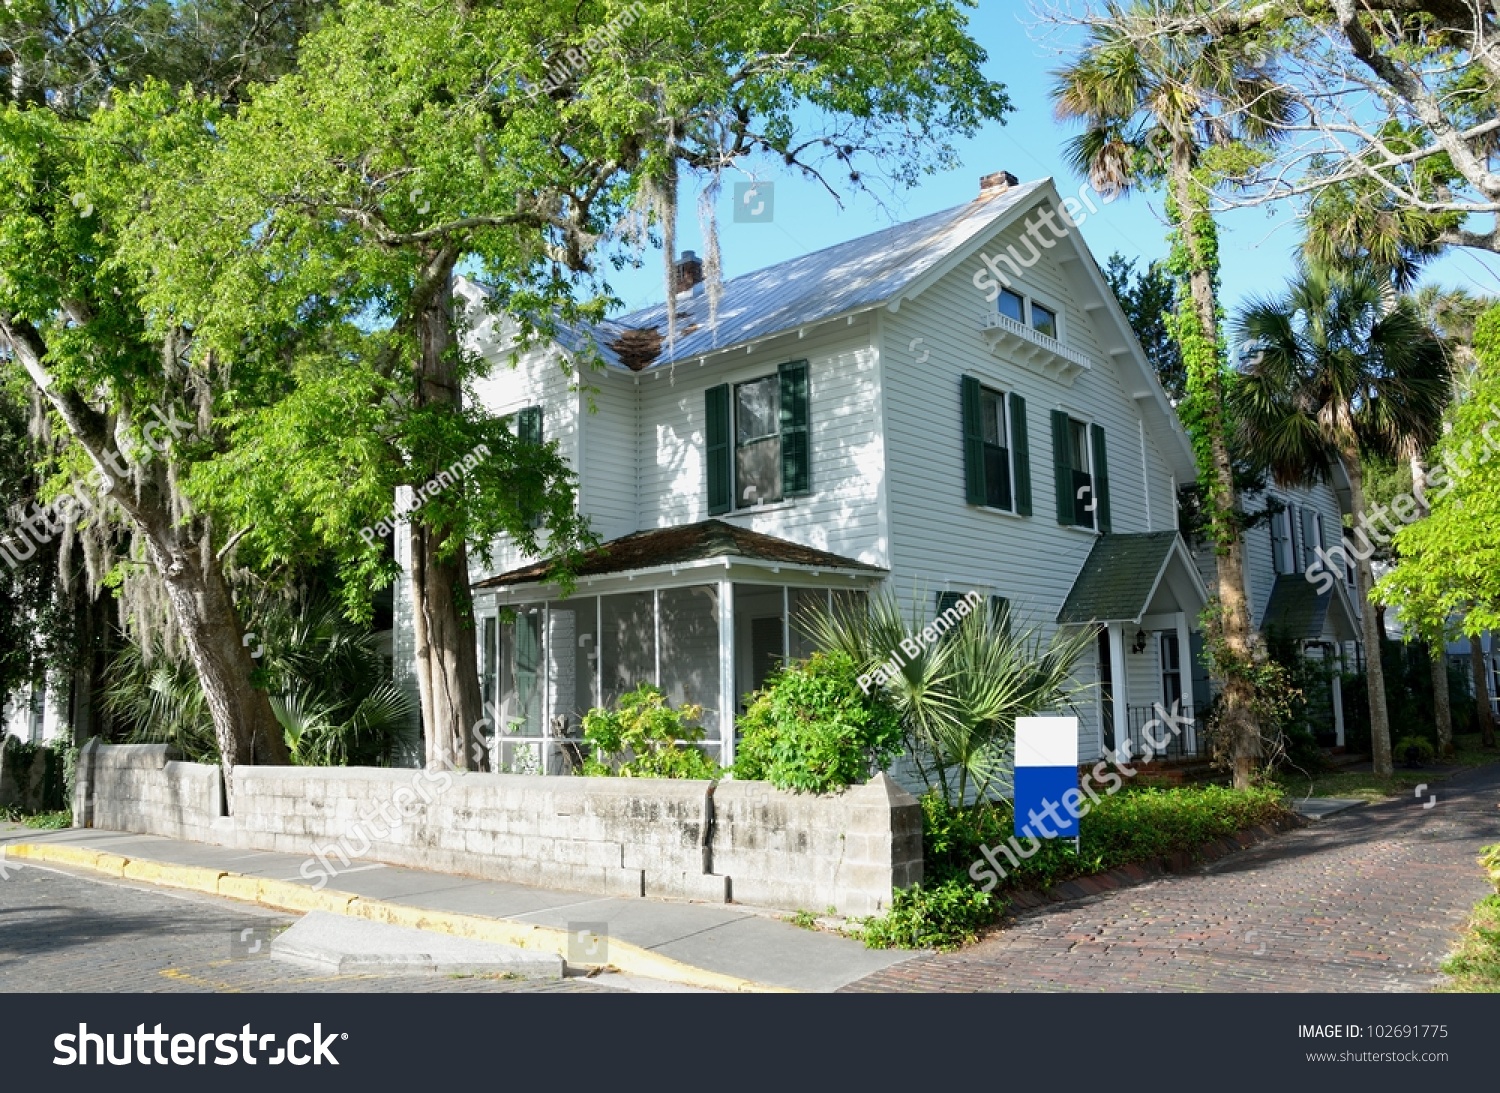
997,466
758,449
757,442
1082,473
1281,544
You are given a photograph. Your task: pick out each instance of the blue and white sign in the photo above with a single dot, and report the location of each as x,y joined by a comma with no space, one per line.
1046,769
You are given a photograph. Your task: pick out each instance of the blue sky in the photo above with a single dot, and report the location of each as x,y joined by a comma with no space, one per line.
1256,248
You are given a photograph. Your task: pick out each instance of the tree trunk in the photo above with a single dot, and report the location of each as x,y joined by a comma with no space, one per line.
1485,715
1380,718
1442,701
447,660
244,726
1206,389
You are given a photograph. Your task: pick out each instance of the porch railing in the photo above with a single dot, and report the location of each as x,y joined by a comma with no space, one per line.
1169,734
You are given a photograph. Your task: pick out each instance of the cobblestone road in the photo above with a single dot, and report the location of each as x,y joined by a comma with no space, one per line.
63,932
1369,900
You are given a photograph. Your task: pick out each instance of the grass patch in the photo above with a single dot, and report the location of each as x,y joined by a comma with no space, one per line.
1133,827
43,821
1475,967
1364,786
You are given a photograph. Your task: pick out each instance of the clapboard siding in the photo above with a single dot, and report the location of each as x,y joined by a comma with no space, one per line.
1319,498
941,543
842,513
610,455
939,538
534,377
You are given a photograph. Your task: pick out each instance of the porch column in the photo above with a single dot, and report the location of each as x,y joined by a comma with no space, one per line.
1337,687
1185,673
1121,687
726,673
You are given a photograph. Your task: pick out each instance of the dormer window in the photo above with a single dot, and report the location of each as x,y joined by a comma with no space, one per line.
1012,305
1043,320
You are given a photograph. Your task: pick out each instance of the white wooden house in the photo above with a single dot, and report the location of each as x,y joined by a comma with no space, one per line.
948,405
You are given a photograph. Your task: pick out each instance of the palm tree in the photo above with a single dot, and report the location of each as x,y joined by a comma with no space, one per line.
1342,370
1153,101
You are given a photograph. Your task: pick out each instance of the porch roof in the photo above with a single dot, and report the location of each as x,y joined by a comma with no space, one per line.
1122,574
685,545
1298,611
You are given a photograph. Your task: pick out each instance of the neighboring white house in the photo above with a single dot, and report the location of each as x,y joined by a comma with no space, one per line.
35,714
1294,594
877,414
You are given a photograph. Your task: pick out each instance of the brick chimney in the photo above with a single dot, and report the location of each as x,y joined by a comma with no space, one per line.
687,272
996,183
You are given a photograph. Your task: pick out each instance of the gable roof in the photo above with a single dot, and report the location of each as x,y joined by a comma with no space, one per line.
682,545
886,268
1298,611
1121,575
838,280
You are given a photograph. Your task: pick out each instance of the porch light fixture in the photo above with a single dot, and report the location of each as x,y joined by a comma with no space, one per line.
1140,642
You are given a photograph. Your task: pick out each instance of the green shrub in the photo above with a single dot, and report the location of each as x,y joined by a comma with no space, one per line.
643,737
1413,751
1130,827
812,728
1490,859
944,915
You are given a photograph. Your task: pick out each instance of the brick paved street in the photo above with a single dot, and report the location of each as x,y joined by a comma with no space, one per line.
1370,900
63,932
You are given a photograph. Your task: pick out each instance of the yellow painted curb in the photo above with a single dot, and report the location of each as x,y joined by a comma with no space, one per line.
284,895
195,877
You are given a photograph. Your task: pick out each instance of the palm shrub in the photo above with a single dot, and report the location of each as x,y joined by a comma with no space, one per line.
958,698
813,728
156,699
324,675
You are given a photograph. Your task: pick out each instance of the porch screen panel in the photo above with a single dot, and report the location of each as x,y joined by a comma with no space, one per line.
628,643
521,690
572,650
803,602
690,652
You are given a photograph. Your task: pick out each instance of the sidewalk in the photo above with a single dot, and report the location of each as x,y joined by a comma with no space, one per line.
719,946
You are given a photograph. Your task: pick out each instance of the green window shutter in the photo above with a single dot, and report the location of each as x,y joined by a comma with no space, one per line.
1020,455
1101,481
1062,460
973,421
529,431
720,449
1000,612
796,447
946,600
529,425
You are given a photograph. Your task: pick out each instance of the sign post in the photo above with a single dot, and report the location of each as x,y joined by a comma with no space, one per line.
1046,769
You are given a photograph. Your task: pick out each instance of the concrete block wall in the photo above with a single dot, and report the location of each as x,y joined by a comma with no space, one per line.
139,787
611,836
